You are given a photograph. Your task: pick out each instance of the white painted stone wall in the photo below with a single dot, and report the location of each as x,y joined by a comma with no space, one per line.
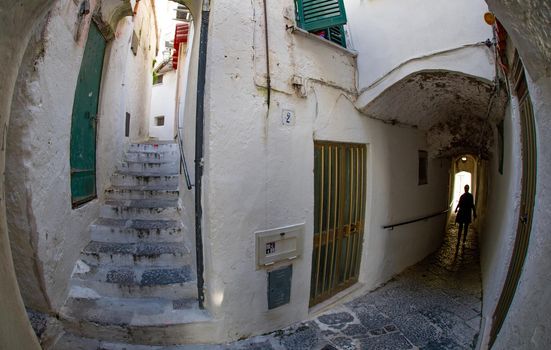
139,68
187,107
163,95
395,38
499,229
259,173
163,103
527,323
17,23
46,232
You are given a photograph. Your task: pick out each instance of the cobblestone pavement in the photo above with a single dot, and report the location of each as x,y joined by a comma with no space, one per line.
435,304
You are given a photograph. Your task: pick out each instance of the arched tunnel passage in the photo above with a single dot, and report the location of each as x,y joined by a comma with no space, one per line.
455,109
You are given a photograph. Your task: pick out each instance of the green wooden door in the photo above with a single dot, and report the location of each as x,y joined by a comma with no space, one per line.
83,124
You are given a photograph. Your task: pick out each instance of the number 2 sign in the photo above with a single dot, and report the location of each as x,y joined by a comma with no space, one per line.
288,118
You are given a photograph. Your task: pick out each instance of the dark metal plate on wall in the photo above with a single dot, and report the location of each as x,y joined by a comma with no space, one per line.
279,287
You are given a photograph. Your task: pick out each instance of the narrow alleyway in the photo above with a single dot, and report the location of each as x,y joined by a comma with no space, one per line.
435,304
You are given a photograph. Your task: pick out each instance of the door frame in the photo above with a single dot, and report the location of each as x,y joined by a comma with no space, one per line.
350,193
519,85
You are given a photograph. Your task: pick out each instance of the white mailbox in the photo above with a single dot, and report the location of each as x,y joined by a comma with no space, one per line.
277,245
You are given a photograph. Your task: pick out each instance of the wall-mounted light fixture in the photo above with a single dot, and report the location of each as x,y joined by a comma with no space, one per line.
489,18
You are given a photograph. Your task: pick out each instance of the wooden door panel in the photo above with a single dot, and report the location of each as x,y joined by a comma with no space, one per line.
83,123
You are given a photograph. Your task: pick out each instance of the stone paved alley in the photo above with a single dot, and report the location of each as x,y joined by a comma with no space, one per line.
435,304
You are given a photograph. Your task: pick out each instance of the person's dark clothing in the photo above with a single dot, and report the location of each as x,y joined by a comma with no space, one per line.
466,205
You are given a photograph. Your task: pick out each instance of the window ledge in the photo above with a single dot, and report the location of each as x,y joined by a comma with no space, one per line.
300,31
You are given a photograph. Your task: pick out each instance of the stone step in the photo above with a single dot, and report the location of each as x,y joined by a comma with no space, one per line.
150,168
144,321
145,181
154,147
118,192
137,254
135,231
70,341
162,156
172,283
112,210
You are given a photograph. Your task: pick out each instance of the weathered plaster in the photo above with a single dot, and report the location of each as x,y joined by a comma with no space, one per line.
139,78
258,173
529,327
17,23
527,22
430,97
527,324
113,11
163,103
501,214
397,38
457,110
45,230
56,230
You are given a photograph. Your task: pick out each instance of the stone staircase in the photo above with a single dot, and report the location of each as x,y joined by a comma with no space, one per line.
135,281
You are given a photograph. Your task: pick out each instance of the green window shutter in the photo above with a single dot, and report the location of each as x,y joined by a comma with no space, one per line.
336,35
320,14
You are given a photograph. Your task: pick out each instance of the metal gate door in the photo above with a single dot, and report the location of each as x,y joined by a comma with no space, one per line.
83,124
528,134
339,175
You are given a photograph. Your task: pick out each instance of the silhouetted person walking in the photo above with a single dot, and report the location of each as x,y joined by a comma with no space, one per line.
463,218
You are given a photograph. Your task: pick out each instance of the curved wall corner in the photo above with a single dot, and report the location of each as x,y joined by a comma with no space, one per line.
17,23
476,61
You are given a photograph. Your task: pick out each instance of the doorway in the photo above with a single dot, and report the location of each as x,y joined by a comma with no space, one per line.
339,195
84,120
462,179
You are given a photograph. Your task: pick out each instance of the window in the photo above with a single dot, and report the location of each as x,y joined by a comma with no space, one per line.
127,125
325,18
160,120
423,167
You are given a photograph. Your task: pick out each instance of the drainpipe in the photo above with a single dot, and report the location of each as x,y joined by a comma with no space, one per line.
136,7
268,79
199,123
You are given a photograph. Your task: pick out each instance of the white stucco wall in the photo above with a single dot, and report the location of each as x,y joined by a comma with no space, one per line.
188,102
394,37
531,309
46,232
501,218
39,150
17,23
139,76
527,324
259,173
163,103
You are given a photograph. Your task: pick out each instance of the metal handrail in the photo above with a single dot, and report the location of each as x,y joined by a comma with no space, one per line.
416,220
183,160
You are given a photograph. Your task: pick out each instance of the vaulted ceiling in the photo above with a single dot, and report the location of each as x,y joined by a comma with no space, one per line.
457,111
